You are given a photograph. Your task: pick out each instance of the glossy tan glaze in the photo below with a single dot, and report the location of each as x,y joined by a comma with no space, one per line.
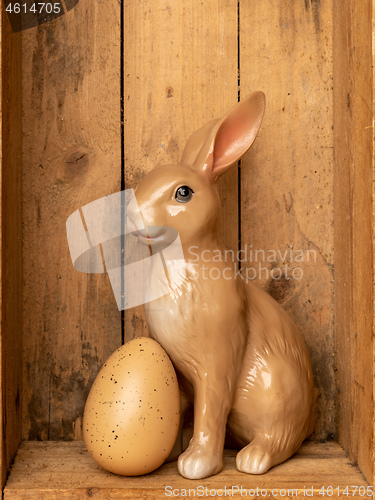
240,360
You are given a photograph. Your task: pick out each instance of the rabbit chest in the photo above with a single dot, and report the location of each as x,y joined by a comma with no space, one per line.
201,322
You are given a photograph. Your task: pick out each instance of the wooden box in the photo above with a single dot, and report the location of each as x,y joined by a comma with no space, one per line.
93,100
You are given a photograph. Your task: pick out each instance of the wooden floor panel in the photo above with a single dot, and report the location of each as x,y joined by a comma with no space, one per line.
56,470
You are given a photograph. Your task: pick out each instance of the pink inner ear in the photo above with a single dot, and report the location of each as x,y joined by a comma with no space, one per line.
234,137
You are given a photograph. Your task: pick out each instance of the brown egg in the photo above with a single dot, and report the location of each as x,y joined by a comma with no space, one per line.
132,413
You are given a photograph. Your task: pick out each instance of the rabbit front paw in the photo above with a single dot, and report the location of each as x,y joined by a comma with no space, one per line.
198,462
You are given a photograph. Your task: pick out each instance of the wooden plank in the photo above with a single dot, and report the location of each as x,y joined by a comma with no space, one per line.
3,465
373,238
11,245
65,470
71,155
180,71
287,178
353,126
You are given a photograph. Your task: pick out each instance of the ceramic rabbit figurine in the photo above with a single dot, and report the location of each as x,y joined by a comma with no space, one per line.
240,360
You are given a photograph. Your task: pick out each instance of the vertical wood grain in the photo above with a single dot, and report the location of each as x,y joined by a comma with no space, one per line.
71,156
353,128
287,178
372,371
180,71
3,465
11,247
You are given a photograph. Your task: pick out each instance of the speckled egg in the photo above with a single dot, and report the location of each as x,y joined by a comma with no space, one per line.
132,413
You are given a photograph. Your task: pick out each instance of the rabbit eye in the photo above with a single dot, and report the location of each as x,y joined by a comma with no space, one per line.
184,194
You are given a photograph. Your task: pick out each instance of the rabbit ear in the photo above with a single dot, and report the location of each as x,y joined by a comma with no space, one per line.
197,141
220,143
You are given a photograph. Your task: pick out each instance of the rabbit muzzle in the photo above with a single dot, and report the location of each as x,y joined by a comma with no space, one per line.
151,234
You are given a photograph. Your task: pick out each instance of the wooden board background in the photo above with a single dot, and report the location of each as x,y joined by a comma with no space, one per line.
10,242
354,177
71,156
287,178
184,63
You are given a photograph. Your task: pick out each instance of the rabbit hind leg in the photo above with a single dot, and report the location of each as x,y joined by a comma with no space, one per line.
266,438
262,453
